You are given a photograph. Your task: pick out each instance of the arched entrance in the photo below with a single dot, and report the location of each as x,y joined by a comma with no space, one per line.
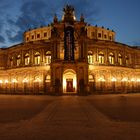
69,81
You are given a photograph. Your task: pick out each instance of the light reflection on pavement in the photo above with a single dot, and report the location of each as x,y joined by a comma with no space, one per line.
93,117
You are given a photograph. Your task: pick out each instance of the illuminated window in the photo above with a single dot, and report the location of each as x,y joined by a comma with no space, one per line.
37,79
18,60
111,58
11,61
48,57
48,78
90,57
37,58
101,58
120,59
27,59
90,78
126,60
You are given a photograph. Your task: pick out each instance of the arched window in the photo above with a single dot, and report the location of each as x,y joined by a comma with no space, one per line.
127,60
101,58
27,59
120,59
48,78
90,57
37,58
111,58
90,78
48,57
11,61
18,60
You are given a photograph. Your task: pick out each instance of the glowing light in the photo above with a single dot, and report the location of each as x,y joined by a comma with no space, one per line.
138,80
74,82
37,80
70,74
48,67
101,79
125,79
14,81
91,67
6,81
64,84
132,80
48,78
74,17
25,80
91,78
113,79
1,81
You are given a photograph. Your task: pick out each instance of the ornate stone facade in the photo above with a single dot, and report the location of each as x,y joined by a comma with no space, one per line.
69,56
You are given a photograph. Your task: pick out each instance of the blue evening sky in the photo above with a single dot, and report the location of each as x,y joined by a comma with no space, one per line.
17,16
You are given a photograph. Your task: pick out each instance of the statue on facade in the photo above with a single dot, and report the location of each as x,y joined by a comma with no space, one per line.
69,15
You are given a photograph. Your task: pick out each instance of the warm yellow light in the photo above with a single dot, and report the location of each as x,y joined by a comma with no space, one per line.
101,79
90,77
138,80
1,81
48,78
74,17
132,80
6,81
91,67
14,81
74,82
37,80
113,79
70,74
64,84
25,80
47,67
125,79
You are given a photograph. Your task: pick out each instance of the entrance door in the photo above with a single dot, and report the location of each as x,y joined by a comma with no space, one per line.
69,81
69,87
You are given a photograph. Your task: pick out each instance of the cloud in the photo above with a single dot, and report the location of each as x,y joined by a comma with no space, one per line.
36,13
2,7
1,26
2,40
136,43
33,14
16,37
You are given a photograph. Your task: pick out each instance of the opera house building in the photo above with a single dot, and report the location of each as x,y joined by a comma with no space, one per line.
69,56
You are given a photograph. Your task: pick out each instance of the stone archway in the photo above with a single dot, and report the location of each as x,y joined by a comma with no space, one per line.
69,81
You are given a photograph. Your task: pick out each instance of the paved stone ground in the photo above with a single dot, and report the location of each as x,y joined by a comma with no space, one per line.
64,118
